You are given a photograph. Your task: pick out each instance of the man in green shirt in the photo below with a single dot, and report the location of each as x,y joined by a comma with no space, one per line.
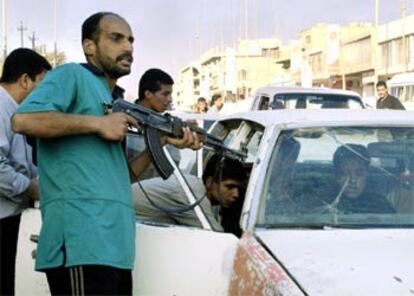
87,240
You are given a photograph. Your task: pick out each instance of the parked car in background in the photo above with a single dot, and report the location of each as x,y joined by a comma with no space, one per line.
402,87
296,235
282,97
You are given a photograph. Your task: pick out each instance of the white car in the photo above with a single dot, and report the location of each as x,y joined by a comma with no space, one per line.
300,233
295,97
402,87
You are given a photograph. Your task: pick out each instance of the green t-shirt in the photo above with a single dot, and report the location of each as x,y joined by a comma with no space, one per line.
85,194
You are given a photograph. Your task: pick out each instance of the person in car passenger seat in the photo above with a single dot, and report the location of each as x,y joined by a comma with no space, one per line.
351,163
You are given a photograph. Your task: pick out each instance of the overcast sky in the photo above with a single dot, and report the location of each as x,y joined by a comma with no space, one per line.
171,33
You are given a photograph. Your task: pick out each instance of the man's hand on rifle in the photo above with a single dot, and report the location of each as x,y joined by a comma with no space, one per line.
114,126
189,140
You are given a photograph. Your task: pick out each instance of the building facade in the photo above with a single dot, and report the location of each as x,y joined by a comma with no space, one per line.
352,57
233,73
395,48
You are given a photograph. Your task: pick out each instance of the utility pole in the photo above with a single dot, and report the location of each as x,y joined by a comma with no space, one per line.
375,37
33,39
376,14
21,29
4,26
55,51
246,19
403,10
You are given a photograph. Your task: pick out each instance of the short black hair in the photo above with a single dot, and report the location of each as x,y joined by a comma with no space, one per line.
215,98
23,61
230,169
152,80
350,151
201,99
90,27
381,83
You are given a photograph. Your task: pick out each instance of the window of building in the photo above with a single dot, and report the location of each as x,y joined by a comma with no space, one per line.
242,74
386,54
399,52
316,62
410,49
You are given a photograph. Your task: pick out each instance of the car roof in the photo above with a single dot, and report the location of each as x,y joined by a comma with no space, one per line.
401,79
193,116
326,117
297,89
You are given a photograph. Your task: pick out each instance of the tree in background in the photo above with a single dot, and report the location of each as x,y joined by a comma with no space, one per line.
50,56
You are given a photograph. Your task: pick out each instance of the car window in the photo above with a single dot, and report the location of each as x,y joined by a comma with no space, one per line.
229,137
252,144
264,103
397,91
236,134
340,177
188,161
410,93
315,101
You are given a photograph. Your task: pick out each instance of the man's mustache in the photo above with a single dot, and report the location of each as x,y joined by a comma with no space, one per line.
125,56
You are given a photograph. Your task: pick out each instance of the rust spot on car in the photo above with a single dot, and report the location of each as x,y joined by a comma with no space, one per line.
255,272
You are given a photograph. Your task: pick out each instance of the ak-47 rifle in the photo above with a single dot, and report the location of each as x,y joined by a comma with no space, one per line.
155,125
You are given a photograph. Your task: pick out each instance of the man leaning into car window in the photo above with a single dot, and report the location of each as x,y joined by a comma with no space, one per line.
221,190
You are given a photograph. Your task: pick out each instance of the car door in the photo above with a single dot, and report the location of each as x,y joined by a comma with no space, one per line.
179,260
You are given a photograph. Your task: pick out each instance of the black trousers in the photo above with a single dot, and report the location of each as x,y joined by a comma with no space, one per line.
89,280
9,233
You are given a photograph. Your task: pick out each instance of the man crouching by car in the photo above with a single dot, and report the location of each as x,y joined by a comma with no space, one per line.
221,186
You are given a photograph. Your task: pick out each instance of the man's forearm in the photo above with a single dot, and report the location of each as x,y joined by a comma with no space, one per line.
139,164
54,124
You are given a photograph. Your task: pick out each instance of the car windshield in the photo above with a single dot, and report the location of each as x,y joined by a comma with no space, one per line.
340,177
315,101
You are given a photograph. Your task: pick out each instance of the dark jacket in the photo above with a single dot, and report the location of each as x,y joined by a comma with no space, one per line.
390,102
367,202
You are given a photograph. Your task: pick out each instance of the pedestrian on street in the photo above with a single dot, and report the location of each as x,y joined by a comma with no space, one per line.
202,105
385,100
216,105
23,69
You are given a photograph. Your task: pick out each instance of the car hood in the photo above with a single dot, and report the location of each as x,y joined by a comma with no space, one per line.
346,262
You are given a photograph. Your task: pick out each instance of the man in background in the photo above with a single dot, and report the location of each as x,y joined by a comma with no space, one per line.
385,100
155,92
23,70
